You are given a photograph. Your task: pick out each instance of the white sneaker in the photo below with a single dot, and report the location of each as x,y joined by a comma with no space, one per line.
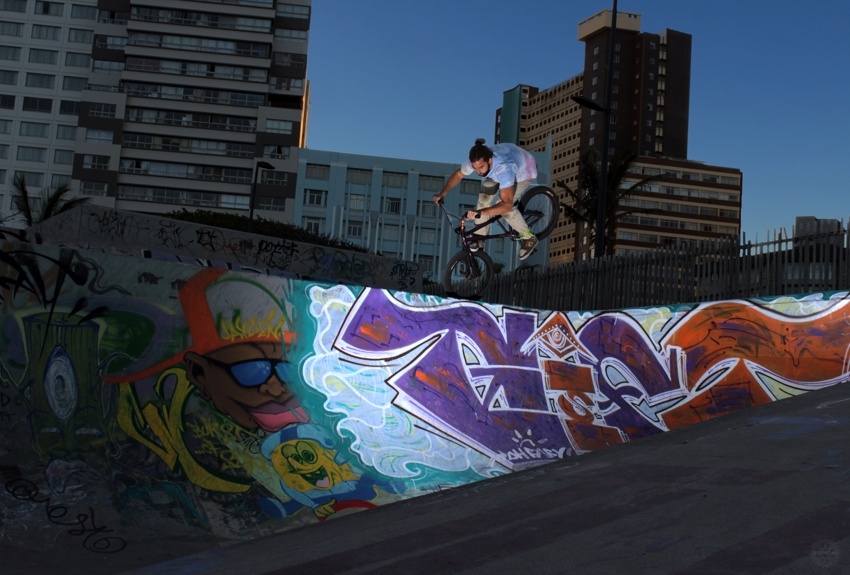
527,247
476,245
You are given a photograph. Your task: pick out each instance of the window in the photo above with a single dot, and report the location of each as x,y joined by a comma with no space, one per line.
99,136
428,236
37,105
318,172
34,129
77,60
35,179
276,152
470,187
74,83
392,205
290,35
11,29
357,176
38,56
5,126
92,162
39,32
40,80
430,183
66,132
293,11
64,157
59,180
390,233
83,12
427,208
100,110
427,264
7,102
49,8
13,5
93,188
10,53
4,151
394,180
28,154
275,177
78,36
355,230
107,67
313,225
9,77
318,198
357,202
279,126
69,107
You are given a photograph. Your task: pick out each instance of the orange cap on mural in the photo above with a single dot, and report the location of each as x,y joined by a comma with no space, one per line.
223,308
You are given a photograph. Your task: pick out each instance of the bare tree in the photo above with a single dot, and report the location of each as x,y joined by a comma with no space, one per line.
583,203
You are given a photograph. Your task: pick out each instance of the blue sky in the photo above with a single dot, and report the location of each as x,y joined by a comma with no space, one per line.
770,84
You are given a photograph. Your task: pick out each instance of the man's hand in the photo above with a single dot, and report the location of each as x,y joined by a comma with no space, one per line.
472,214
438,198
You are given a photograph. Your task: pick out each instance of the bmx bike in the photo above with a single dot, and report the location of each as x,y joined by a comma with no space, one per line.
469,272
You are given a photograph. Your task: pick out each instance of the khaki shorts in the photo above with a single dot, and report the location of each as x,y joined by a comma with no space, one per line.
489,187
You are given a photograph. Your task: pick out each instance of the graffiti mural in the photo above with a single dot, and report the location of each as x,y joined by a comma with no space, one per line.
140,392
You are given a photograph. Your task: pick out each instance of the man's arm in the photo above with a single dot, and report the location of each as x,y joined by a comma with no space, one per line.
503,206
453,180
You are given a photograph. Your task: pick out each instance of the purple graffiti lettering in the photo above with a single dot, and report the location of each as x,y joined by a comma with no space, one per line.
475,379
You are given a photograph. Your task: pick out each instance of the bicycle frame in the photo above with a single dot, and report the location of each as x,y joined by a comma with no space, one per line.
468,234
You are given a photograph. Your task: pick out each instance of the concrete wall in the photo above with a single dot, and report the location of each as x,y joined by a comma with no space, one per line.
119,399
131,233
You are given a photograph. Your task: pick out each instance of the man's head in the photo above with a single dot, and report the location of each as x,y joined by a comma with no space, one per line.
481,157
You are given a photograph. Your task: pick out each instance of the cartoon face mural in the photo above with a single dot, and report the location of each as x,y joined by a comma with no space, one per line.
247,382
304,464
240,334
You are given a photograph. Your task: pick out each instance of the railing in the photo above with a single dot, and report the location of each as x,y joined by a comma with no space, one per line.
723,270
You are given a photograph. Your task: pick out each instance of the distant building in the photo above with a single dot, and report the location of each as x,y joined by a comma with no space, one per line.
691,202
386,205
155,107
812,226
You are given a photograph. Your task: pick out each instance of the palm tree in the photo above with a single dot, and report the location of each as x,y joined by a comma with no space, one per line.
47,206
583,205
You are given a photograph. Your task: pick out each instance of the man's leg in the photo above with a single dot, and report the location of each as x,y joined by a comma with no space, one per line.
489,191
514,218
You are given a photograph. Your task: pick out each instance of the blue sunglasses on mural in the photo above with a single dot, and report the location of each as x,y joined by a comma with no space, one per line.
252,372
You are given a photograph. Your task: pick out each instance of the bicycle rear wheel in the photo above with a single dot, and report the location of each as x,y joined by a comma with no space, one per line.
539,208
468,274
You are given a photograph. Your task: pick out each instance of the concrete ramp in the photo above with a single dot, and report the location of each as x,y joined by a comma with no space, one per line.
153,409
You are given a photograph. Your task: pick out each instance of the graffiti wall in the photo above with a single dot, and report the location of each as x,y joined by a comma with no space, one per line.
236,405
157,237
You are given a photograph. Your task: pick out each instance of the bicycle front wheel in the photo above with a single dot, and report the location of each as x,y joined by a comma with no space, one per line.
468,274
539,208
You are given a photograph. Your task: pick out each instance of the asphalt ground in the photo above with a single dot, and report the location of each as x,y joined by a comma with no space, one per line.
766,490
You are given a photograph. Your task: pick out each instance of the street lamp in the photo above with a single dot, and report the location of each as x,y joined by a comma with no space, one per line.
261,165
585,102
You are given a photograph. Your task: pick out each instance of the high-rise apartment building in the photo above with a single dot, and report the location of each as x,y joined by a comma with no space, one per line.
649,109
155,106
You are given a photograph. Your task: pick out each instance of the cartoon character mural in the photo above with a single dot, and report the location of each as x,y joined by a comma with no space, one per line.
238,358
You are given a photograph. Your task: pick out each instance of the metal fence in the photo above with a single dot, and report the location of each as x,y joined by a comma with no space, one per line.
723,270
